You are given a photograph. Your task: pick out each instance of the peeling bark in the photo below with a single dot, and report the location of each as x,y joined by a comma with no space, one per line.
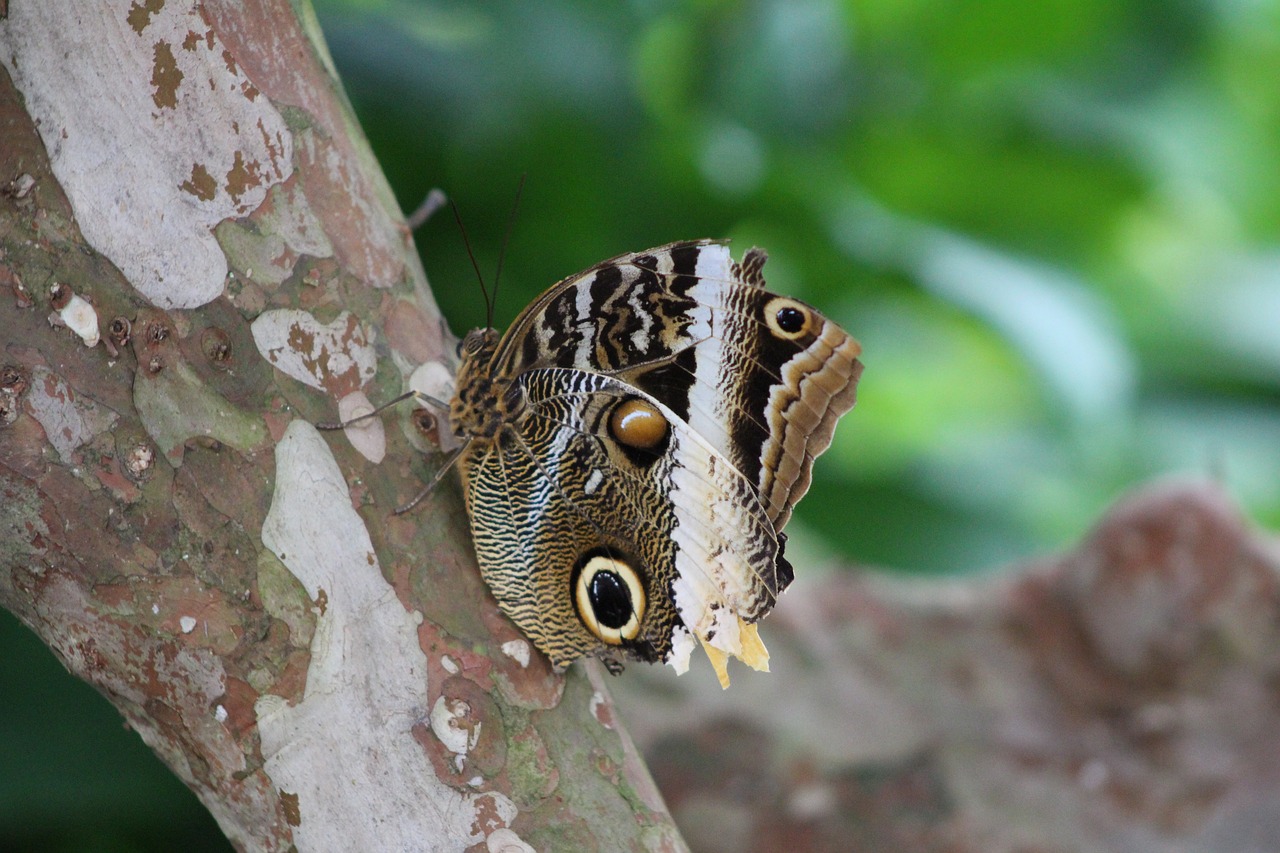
199,259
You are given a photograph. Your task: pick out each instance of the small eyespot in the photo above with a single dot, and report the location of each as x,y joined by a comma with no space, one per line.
637,423
609,598
787,318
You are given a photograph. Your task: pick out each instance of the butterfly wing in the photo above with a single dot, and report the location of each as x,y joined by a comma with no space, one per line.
746,386
568,487
761,377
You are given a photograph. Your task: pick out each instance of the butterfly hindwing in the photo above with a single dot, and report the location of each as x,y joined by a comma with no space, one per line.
567,483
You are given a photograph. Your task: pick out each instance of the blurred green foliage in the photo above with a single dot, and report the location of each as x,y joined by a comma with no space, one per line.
73,777
1052,225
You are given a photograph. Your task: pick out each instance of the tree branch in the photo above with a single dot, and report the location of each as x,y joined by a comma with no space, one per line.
1120,697
322,674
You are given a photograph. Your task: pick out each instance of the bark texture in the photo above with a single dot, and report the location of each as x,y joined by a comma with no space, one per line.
1121,697
199,258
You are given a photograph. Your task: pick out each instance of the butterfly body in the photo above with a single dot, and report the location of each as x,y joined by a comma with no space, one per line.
633,446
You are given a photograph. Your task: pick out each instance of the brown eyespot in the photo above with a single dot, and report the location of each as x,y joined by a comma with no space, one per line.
609,598
637,423
787,318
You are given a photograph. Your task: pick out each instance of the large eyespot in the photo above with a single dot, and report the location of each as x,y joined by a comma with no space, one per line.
609,597
787,318
637,423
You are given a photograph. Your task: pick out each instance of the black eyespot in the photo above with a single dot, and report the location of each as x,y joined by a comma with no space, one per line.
610,599
790,319
609,596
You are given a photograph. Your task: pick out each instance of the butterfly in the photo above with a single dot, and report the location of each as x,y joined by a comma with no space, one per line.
632,447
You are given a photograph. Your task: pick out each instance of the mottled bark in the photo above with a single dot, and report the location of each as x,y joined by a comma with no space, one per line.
199,258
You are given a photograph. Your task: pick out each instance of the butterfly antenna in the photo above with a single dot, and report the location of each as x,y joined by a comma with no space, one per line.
506,238
466,241
373,413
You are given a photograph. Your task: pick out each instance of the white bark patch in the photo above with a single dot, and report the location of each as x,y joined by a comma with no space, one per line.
435,380
347,750
451,721
300,346
517,650
601,710
80,317
187,624
368,436
506,841
69,420
154,154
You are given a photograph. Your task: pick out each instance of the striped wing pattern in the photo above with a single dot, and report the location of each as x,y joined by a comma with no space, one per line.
748,386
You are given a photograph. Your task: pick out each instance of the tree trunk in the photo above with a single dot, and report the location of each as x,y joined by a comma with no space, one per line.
203,259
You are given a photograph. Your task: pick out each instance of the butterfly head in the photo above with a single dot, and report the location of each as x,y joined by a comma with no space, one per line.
477,348
475,410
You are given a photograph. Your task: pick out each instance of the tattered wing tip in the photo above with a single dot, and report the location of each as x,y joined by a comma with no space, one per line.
754,654
682,646
719,662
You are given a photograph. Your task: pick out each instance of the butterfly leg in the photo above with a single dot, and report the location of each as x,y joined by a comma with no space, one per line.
417,395
433,482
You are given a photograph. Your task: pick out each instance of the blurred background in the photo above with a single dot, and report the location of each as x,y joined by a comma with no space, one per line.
1053,226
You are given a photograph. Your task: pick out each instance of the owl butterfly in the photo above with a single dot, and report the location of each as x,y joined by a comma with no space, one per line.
632,448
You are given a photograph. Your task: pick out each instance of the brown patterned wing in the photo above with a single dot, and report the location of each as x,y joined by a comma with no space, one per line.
675,538
637,440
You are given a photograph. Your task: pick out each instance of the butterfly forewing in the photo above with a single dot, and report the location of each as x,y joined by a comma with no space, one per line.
688,326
